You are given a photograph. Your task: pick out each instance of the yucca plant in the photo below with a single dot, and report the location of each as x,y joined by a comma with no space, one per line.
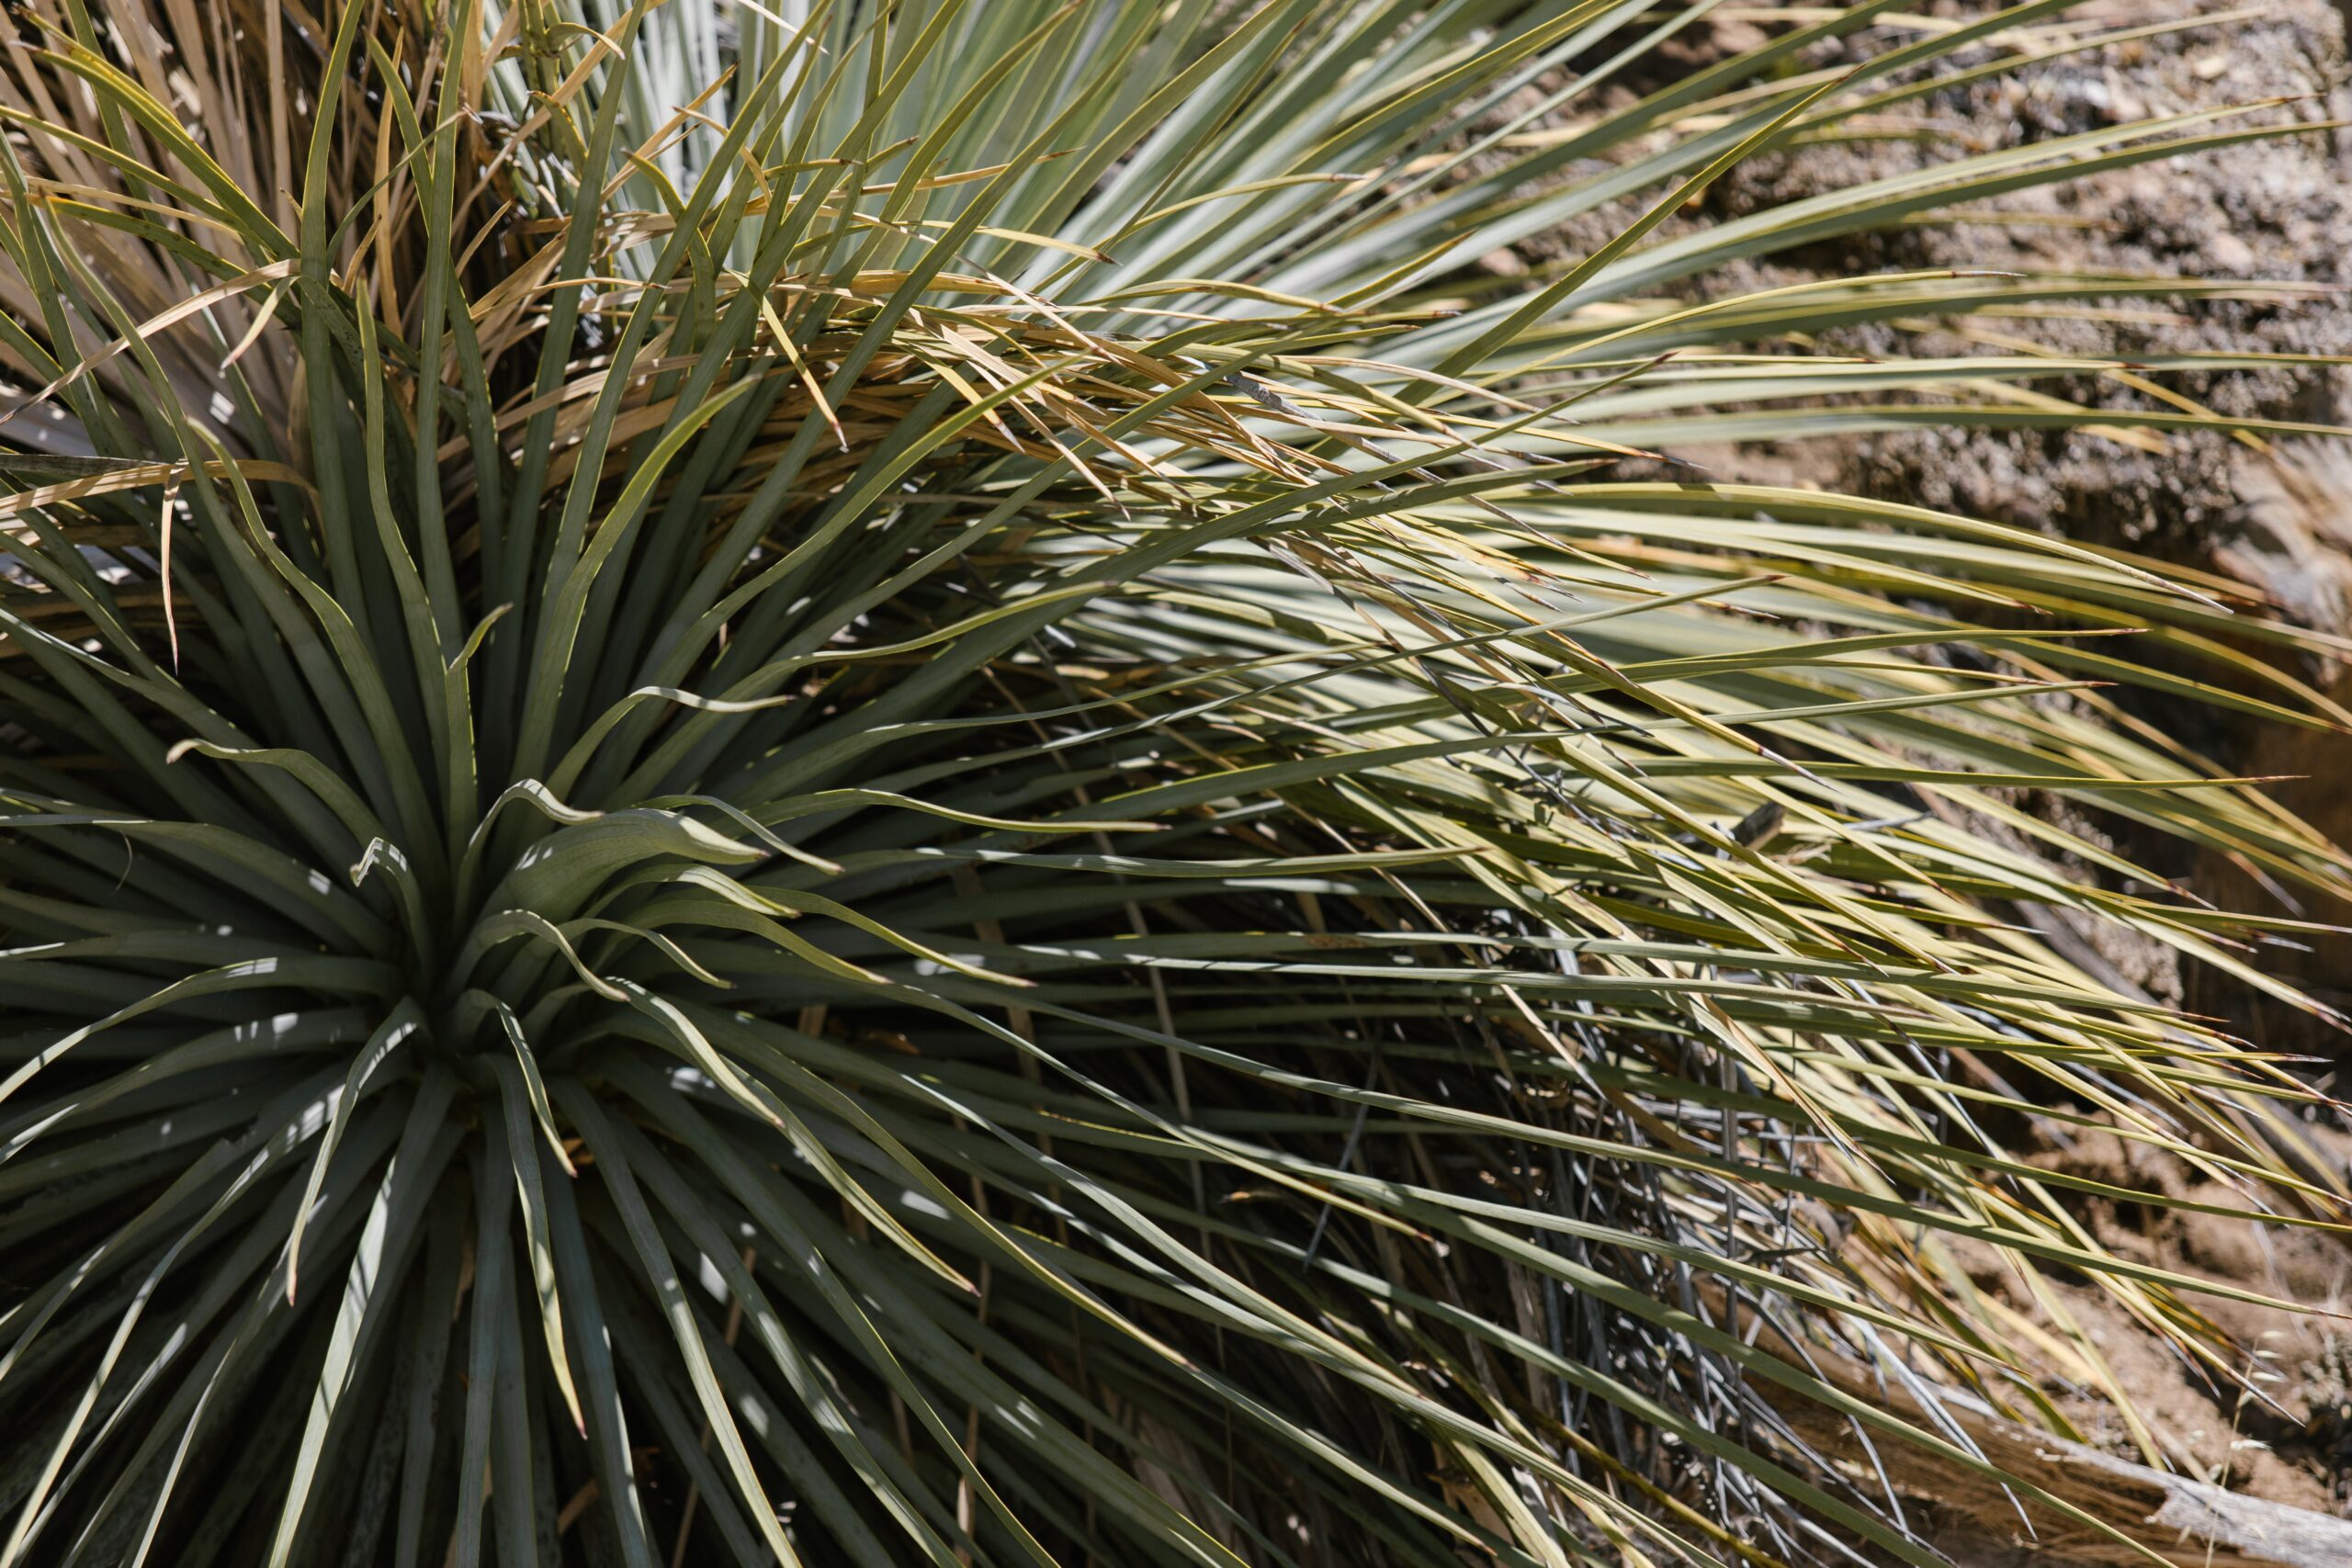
879,784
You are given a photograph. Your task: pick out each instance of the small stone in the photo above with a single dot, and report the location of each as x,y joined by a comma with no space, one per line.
1738,37
2122,103
2229,253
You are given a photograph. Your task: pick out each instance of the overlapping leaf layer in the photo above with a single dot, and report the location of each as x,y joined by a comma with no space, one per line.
873,785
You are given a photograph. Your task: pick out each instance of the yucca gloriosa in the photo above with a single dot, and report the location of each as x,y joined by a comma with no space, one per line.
887,783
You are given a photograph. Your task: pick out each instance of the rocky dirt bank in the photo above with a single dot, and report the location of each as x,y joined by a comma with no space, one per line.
2276,515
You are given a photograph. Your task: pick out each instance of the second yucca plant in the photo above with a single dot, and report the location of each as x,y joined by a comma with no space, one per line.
870,785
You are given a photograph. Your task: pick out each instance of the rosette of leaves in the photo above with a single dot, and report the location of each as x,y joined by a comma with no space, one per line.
883,783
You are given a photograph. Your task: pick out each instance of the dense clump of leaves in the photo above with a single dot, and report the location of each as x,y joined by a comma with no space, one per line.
880,784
